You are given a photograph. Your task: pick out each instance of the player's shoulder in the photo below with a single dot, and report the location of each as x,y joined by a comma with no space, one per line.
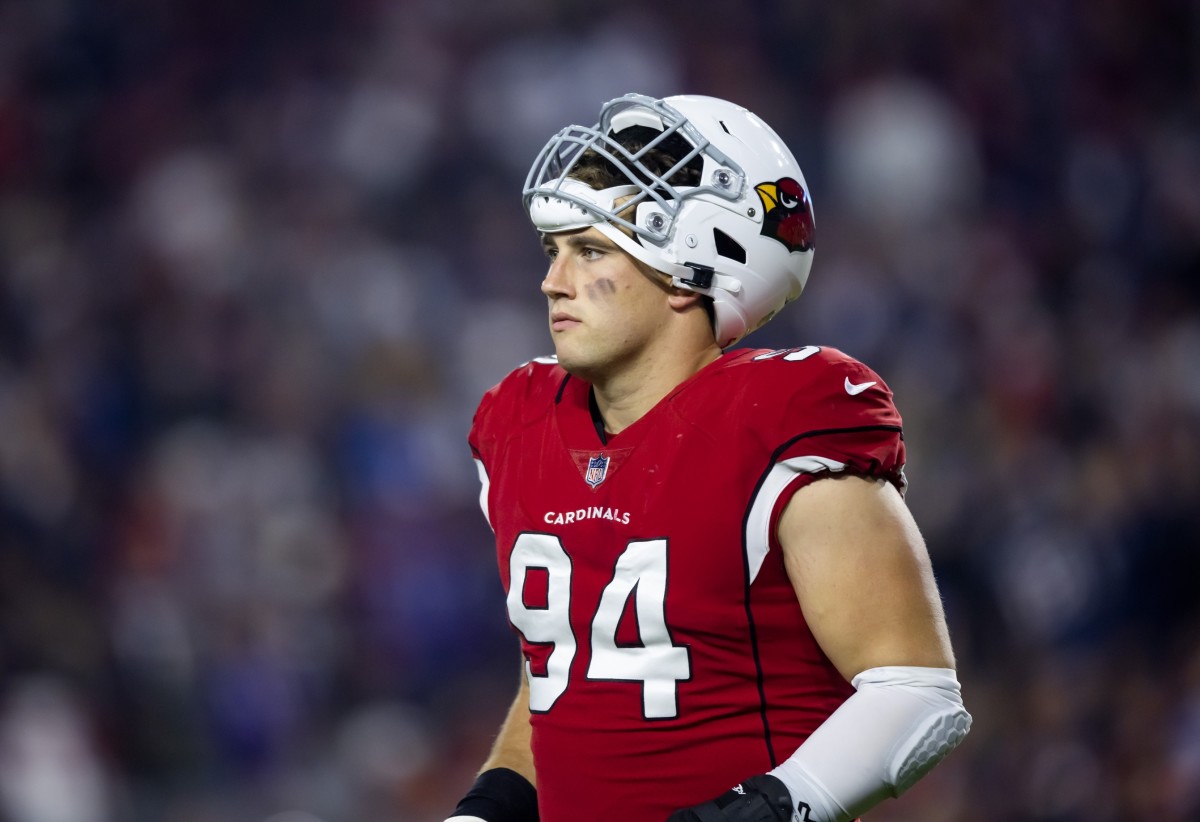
803,368
812,387
525,392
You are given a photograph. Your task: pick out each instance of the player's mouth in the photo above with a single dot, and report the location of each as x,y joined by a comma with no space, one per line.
561,321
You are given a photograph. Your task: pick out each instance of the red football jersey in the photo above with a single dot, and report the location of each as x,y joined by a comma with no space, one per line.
667,655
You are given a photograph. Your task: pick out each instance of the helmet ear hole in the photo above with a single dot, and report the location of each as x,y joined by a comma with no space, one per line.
728,247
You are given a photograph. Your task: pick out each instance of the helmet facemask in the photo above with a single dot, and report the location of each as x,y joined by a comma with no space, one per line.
559,161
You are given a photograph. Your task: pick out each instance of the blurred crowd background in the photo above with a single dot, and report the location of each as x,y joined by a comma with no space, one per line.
259,260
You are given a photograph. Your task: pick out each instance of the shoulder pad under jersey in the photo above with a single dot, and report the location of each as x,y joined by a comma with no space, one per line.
525,394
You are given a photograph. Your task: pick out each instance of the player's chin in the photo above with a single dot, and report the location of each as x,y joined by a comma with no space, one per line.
572,360
566,344
566,357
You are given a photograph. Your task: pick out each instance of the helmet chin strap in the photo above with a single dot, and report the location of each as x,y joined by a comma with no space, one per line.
682,275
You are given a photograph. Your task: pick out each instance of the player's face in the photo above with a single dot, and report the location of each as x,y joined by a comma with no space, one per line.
605,310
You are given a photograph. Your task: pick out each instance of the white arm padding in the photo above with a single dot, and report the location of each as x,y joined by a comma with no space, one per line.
899,723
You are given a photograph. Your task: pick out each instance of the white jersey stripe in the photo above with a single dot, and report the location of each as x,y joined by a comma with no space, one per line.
758,524
485,486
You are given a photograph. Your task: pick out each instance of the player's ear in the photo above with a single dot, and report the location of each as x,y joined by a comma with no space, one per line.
680,298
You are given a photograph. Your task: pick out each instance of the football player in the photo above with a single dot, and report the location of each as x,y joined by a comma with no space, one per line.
725,609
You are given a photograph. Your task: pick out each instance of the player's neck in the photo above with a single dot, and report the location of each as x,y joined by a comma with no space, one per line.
626,396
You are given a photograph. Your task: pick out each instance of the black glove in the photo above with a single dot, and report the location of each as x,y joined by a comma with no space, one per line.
758,799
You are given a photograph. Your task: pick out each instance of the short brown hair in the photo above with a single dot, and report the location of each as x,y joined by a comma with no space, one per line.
599,172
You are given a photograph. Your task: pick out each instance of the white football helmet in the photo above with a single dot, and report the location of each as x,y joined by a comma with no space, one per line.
743,235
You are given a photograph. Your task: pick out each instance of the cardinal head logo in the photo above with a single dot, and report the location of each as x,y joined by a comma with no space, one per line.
787,214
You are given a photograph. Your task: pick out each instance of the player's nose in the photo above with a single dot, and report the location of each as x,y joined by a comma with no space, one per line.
557,282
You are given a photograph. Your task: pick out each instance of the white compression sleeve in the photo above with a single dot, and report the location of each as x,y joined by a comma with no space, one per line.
899,723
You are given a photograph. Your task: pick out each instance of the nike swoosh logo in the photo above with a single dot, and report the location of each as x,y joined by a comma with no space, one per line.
854,390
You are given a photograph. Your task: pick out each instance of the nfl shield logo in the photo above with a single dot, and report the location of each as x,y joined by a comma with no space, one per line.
596,470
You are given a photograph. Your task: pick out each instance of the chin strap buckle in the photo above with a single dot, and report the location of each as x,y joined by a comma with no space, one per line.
702,276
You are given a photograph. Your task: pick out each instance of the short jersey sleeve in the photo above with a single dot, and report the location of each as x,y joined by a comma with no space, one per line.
822,405
845,415
819,413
